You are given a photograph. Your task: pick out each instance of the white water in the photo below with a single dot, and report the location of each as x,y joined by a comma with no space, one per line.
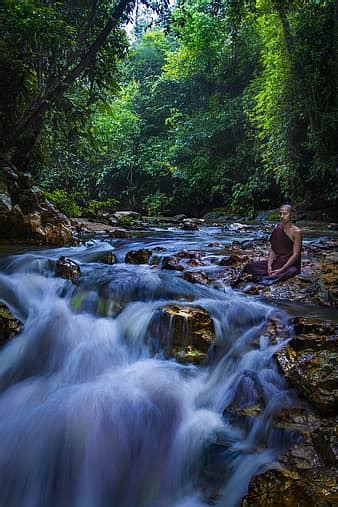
91,417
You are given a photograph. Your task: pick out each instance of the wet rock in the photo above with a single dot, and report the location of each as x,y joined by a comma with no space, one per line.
231,276
309,363
233,260
141,256
67,268
188,225
185,332
284,488
109,258
196,277
171,262
306,474
118,232
9,325
237,227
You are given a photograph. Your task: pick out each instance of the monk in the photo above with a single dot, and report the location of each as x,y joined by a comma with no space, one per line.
284,259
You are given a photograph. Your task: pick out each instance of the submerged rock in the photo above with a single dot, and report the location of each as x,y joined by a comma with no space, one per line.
9,325
67,268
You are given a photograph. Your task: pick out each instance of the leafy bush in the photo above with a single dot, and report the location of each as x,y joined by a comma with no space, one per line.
157,203
96,208
64,202
127,221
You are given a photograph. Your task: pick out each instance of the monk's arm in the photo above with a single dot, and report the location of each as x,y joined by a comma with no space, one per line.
271,258
297,246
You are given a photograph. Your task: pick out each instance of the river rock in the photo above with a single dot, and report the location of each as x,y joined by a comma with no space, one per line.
171,262
306,474
185,332
9,325
67,268
141,256
196,277
309,363
189,224
109,258
233,260
118,232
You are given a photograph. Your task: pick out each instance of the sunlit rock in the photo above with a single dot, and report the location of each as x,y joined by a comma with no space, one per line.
185,332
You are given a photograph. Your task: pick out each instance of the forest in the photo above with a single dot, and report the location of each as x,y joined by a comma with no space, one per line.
223,105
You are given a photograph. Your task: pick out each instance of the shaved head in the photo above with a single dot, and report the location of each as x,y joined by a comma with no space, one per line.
286,206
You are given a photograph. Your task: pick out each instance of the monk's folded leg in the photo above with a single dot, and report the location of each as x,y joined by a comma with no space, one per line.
258,268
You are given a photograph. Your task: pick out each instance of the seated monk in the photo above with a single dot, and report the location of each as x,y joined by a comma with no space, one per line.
284,259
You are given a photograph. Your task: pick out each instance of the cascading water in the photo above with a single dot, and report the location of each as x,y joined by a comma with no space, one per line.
91,416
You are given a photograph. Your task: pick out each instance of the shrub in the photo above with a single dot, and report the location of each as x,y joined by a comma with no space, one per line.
64,202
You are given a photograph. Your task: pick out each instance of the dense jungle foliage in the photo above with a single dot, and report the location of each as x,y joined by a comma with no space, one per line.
226,104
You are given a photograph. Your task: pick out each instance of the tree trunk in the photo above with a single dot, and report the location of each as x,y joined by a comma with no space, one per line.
59,85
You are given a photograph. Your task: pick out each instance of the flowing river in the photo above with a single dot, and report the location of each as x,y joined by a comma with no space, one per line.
92,415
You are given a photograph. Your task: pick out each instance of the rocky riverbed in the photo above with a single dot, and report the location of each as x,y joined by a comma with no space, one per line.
305,475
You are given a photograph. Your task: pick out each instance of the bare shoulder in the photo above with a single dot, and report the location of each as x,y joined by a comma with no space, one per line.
296,232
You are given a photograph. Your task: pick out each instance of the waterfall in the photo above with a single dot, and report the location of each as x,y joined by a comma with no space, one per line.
92,416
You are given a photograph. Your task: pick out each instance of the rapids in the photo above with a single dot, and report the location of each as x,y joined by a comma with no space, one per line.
92,416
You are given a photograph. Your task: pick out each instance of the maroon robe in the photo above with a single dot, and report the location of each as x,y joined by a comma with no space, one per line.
282,245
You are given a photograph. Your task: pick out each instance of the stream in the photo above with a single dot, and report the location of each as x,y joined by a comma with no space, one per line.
92,414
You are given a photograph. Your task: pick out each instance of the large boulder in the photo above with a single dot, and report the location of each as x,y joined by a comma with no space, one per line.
185,332
26,215
305,475
309,363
